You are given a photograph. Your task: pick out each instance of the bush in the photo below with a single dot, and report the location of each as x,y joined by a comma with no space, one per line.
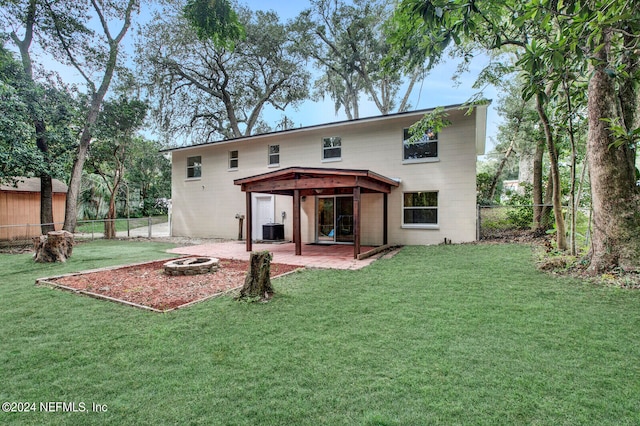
521,216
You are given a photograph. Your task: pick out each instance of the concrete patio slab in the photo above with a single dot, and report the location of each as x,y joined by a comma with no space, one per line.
336,256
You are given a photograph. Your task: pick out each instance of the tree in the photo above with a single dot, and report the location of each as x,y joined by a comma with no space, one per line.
149,174
110,153
597,39
95,56
41,150
348,44
201,90
25,17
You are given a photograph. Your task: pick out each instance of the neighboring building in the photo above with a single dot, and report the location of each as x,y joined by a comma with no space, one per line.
20,208
327,182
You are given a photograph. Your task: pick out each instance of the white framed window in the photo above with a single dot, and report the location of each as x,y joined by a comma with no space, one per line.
274,155
420,209
194,167
423,150
332,148
233,160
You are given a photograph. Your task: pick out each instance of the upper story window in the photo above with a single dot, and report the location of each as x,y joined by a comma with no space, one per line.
194,167
420,209
274,155
332,148
424,149
233,159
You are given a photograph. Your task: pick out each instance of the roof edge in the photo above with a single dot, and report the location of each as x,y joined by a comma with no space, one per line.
419,112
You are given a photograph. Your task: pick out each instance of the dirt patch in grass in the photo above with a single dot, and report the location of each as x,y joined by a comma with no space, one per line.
147,284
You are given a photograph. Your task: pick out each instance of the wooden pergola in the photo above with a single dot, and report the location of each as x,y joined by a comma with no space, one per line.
305,181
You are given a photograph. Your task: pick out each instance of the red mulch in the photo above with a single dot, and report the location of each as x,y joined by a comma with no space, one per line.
148,285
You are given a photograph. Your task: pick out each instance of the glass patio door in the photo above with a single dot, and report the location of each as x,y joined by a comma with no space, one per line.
335,219
344,219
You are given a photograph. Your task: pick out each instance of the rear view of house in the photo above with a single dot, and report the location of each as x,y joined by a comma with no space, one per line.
351,182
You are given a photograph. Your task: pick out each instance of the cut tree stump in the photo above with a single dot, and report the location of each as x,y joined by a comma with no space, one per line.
56,246
258,280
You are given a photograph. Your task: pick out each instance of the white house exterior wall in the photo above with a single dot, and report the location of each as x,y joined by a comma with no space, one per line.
207,206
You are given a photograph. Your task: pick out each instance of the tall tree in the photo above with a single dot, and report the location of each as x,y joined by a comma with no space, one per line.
95,55
348,42
599,39
26,151
201,90
110,152
24,17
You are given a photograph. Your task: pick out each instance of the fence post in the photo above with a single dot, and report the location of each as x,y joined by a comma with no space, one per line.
478,222
149,221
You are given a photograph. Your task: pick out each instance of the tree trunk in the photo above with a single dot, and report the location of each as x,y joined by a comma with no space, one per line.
561,238
56,246
46,186
110,222
71,207
258,280
615,196
496,177
537,188
46,203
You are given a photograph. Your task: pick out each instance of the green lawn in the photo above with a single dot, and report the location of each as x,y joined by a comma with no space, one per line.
467,334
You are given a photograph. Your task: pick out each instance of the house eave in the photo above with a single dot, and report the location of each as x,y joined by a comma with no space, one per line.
327,126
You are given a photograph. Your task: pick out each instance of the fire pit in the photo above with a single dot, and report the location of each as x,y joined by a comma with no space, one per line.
191,266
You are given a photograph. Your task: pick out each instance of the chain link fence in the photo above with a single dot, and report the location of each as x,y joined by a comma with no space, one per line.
146,227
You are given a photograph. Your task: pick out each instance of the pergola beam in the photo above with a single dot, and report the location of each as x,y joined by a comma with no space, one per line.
299,181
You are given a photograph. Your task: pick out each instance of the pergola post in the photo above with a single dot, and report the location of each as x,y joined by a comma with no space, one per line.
385,218
296,222
249,221
295,181
356,221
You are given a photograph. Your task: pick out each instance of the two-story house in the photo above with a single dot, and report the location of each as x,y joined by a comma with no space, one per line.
350,182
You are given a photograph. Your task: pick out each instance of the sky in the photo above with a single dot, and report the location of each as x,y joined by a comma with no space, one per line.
437,89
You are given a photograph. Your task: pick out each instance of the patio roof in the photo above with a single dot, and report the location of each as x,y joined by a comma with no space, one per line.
316,181
303,181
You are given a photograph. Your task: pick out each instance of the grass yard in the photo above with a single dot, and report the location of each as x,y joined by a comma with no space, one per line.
470,334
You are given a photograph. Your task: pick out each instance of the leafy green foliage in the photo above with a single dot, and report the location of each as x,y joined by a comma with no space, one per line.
215,20
22,101
18,152
483,185
434,121
521,215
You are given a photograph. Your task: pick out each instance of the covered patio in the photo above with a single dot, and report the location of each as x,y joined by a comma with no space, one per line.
315,256
299,182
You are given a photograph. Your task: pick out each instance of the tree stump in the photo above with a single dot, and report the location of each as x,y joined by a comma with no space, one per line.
257,284
56,246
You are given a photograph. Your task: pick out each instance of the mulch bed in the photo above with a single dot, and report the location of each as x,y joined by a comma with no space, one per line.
146,285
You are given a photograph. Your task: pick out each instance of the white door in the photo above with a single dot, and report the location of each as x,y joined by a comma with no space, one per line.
263,210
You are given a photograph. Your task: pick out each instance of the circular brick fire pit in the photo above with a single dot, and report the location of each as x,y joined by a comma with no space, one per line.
191,266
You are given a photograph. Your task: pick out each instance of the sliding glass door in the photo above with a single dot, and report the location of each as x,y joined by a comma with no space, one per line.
335,219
